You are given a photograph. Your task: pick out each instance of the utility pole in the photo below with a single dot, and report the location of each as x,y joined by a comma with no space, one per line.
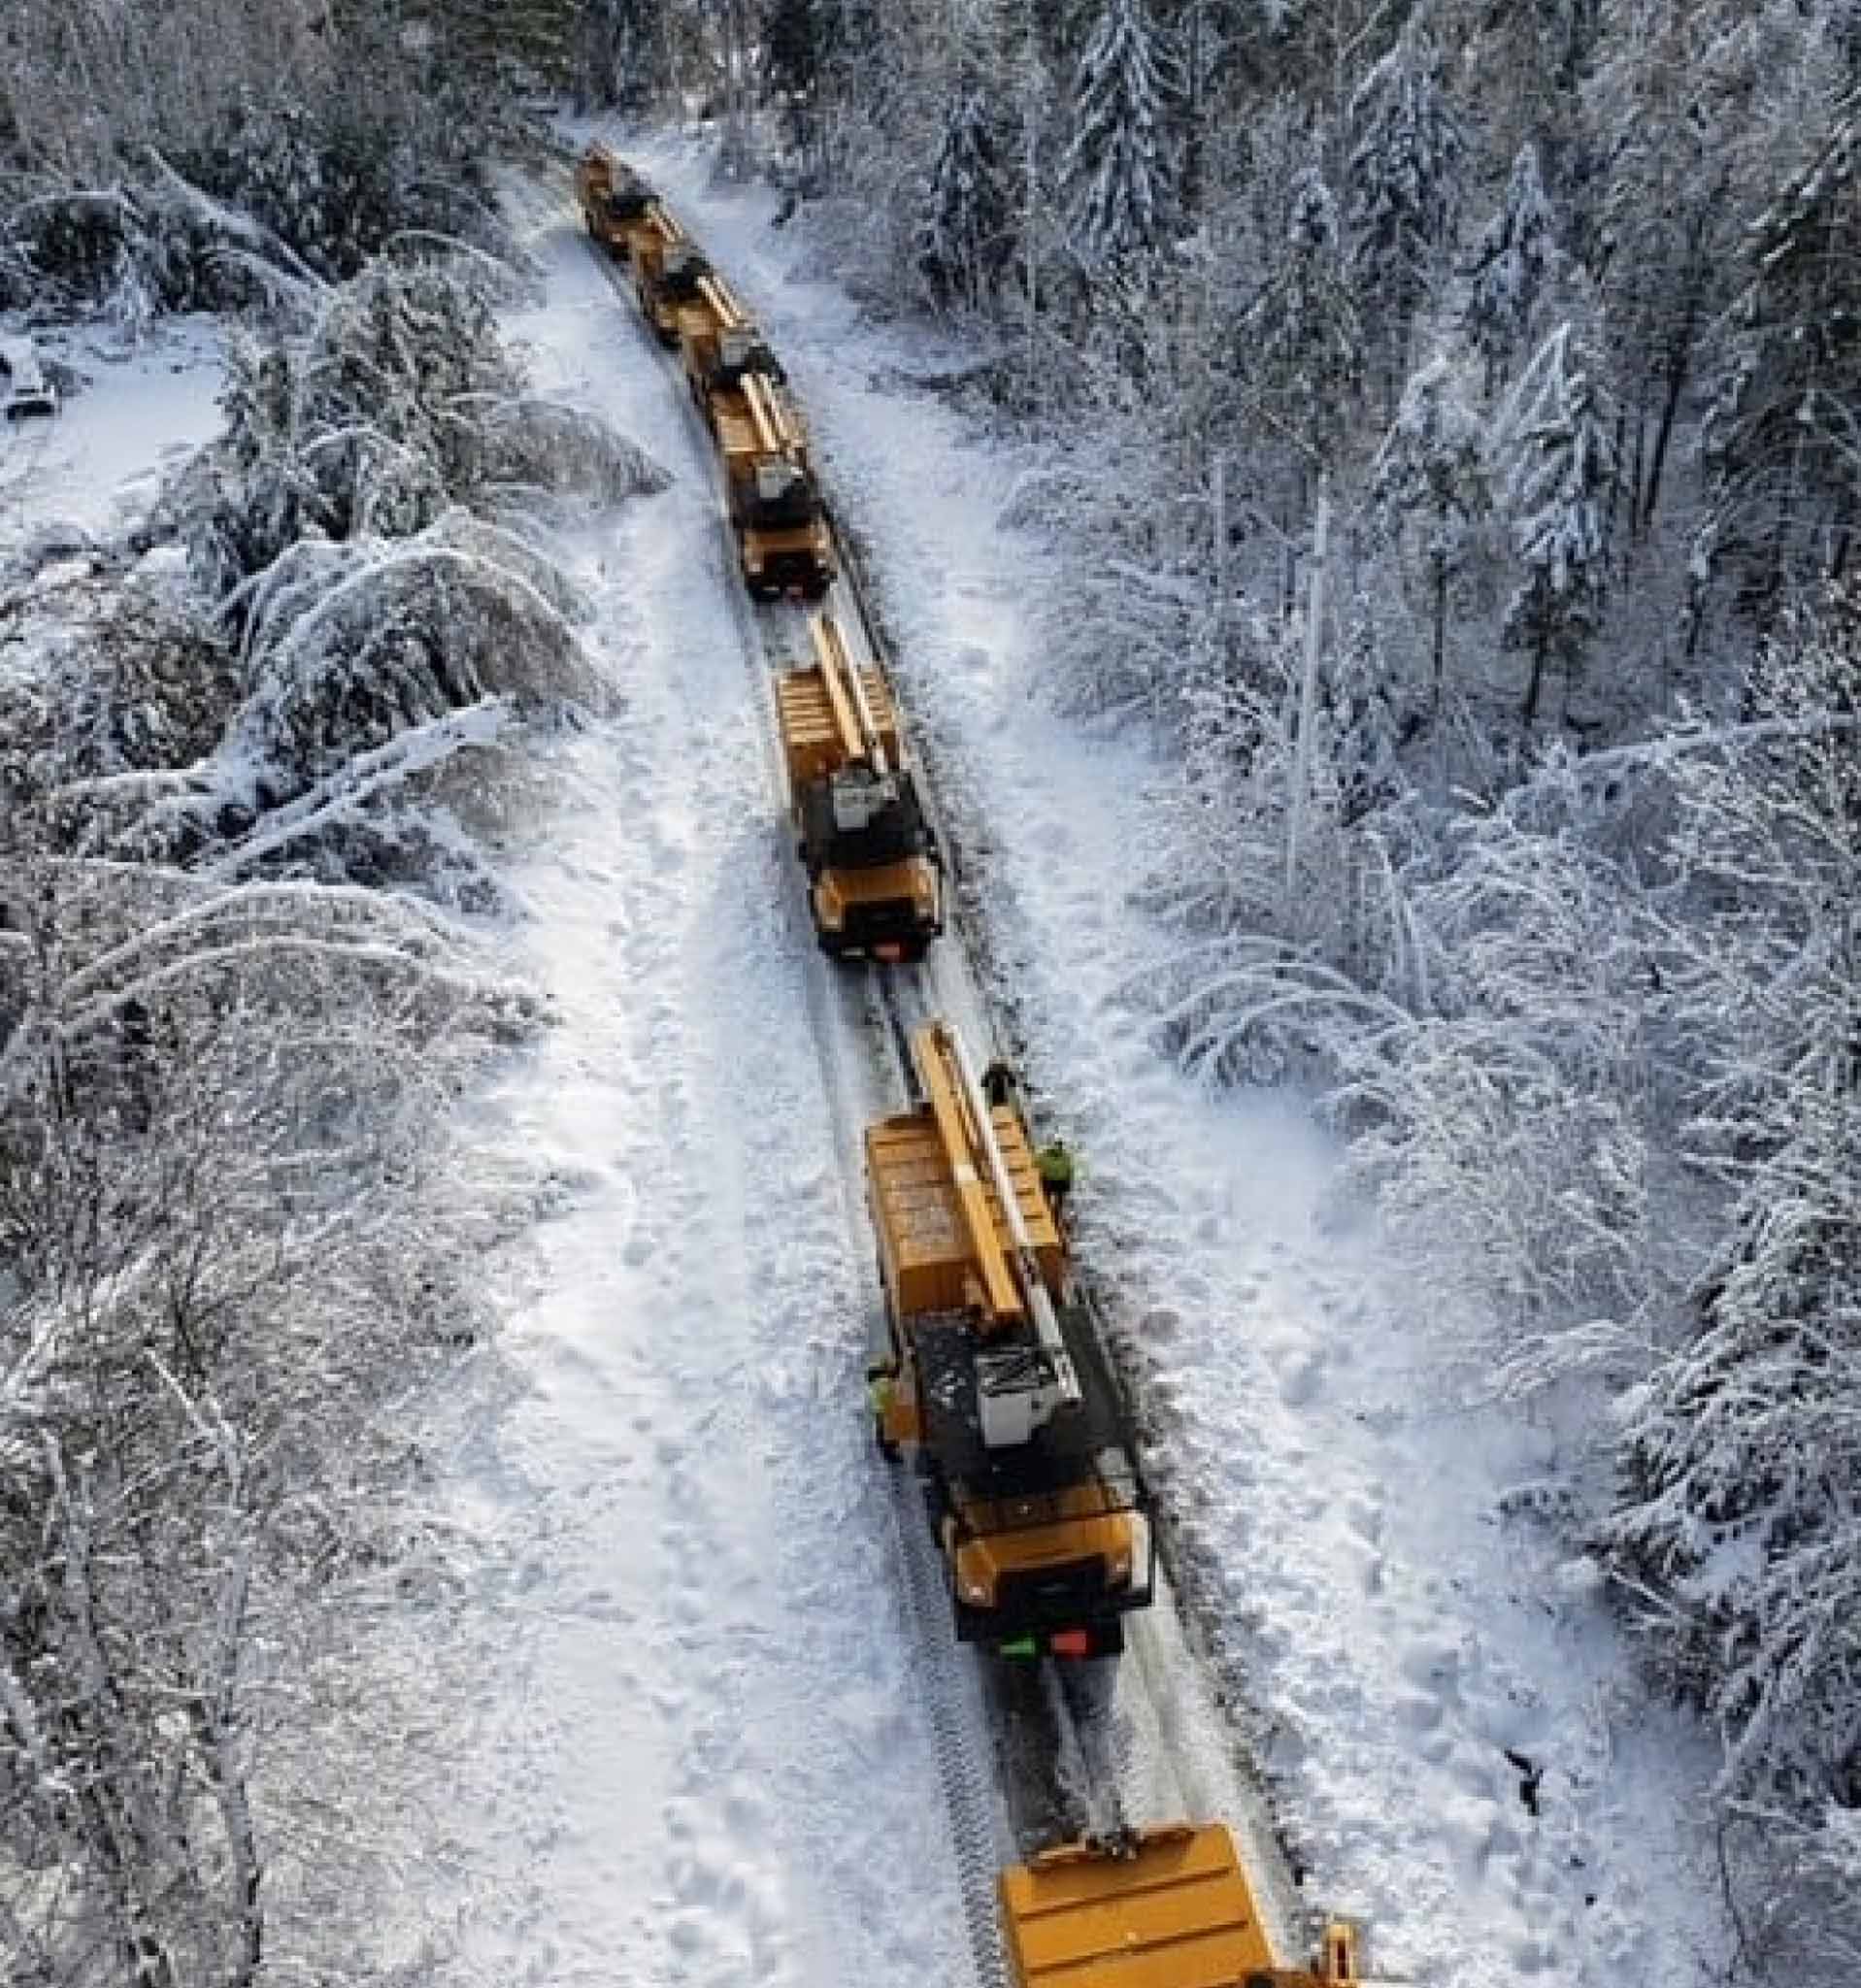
1308,696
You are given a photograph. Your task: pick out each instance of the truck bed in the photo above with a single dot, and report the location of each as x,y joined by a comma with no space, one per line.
923,1242
810,739
1173,1910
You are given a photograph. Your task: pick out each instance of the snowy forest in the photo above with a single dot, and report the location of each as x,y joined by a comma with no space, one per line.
1450,426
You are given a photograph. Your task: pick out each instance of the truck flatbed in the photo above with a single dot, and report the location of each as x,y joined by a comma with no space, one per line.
923,1240
1172,1910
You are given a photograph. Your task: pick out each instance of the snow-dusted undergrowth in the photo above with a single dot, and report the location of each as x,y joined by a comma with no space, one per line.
235,1257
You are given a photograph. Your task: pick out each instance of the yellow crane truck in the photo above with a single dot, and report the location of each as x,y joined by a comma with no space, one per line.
615,199
719,342
1167,1908
668,266
993,1379
874,877
774,502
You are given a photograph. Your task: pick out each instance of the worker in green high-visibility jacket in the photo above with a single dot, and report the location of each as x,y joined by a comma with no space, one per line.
1054,1162
881,1387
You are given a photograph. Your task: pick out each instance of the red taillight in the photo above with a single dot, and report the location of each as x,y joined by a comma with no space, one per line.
891,953
1071,1642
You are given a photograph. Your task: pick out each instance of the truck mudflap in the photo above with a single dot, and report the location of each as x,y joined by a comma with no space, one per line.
1167,1908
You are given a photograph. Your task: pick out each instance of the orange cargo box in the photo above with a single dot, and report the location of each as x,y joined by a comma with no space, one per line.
1172,1910
923,1240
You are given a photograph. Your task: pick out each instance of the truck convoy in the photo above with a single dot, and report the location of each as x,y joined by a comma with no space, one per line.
993,1379
875,876
1168,1908
783,535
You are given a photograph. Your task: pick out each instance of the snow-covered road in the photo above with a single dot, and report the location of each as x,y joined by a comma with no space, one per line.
698,1755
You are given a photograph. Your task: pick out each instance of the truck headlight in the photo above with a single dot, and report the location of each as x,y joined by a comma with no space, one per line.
973,1592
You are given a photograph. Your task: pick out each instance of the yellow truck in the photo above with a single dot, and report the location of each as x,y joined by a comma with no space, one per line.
615,200
875,876
774,502
668,266
719,344
1167,1908
992,1376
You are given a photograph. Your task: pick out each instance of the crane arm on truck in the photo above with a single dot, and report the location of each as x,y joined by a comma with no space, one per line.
721,302
1014,1291
777,433
858,727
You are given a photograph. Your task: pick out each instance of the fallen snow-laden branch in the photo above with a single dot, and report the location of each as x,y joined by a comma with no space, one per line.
234,224
134,783
421,928
1655,756
362,780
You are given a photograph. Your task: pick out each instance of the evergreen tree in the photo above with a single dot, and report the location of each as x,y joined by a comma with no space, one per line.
1299,336
1515,254
1120,169
969,236
1560,471
1432,495
625,56
794,52
1783,436
1740,1513
1403,186
1671,111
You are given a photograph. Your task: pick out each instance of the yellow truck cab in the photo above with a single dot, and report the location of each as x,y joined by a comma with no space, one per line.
993,1377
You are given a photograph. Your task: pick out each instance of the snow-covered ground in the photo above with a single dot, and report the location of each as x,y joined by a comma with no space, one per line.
1411,1649
129,411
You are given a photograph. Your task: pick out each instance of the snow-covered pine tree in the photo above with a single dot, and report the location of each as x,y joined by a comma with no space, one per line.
1783,435
1742,1456
968,239
1557,455
1671,109
1403,188
1432,494
624,52
1516,253
1120,169
1296,346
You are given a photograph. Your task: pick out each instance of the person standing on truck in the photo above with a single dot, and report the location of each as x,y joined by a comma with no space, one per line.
1054,1160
